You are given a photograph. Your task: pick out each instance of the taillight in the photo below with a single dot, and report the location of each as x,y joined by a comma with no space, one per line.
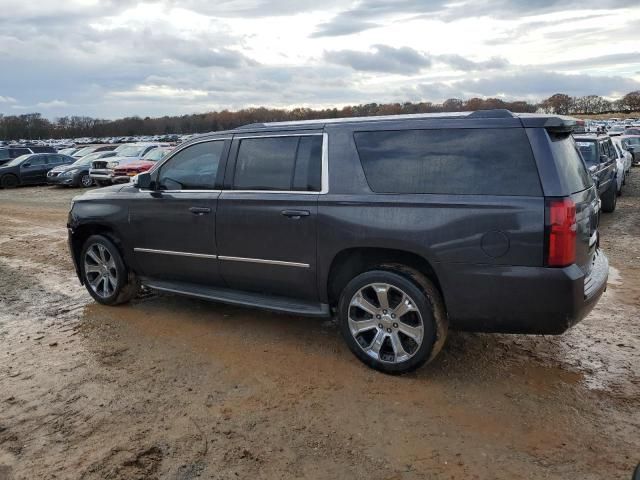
561,232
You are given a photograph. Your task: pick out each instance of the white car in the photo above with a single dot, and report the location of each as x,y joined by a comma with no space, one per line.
627,157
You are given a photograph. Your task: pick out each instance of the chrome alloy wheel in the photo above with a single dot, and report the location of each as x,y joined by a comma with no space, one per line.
386,323
86,180
100,270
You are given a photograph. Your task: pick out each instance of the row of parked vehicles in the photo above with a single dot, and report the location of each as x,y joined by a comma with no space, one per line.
99,165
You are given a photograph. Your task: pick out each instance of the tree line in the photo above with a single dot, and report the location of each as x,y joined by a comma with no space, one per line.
35,126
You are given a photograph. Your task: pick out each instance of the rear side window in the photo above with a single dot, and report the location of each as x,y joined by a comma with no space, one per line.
291,163
4,154
571,168
452,161
589,152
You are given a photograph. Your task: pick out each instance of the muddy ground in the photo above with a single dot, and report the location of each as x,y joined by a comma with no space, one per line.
169,387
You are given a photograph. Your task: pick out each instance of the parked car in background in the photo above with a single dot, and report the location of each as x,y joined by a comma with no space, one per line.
102,170
631,131
616,130
76,174
10,152
124,173
599,155
68,151
627,158
631,143
30,169
95,148
391,222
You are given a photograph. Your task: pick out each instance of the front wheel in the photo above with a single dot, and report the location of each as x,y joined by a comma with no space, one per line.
86,181
393,321
104,273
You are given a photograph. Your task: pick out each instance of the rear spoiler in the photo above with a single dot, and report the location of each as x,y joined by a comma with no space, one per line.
552,123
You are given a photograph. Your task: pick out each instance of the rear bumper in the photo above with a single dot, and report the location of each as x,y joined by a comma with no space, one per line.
511,299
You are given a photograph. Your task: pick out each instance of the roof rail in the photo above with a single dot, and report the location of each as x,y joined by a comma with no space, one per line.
496,113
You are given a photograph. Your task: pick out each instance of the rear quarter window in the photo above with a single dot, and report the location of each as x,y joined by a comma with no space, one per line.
452,161
571,167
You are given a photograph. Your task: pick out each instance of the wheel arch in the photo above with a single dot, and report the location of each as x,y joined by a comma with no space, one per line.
82,232
351,262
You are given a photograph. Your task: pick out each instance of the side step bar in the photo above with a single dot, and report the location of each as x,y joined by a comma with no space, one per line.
246,299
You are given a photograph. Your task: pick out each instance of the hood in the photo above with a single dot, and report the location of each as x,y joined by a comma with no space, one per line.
6,168
140,164
71,166
120,160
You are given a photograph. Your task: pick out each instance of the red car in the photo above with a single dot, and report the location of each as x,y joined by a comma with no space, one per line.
123,174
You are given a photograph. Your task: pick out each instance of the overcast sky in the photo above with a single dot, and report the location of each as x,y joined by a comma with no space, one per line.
114,58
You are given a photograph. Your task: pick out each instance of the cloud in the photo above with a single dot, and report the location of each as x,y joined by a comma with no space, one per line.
542,83
404,60
7,99
459,62
52,104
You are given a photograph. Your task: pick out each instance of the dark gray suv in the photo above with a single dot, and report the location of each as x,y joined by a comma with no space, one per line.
402,226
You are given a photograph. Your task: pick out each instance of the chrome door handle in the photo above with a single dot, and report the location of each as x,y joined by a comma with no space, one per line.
295,214
200,210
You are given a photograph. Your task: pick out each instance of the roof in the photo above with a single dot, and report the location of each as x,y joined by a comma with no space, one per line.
495,117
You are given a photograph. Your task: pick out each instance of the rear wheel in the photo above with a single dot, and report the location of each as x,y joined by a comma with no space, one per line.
391,322
9,181
610,198
104,273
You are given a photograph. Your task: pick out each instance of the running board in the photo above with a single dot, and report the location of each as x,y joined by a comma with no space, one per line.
245,299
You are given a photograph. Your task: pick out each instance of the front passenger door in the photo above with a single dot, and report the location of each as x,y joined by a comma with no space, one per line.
34,169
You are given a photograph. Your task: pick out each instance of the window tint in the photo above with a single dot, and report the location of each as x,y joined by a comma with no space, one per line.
194,168
571,168
454,161
279,163
589,151
37,160
308,171
4,154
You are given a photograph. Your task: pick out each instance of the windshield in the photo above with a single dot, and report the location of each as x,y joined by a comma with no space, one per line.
84,151
632,141
130,151
155,154
17,160
589,151
87,159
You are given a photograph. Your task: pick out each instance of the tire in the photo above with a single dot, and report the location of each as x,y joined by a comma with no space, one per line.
104,273
9,181
85,181
610,199
424,318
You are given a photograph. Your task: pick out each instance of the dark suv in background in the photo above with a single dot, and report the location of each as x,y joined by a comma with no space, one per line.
400,225
600,156
9,153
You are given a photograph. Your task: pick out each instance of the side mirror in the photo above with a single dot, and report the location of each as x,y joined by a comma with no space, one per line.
26,165
604,159
142,181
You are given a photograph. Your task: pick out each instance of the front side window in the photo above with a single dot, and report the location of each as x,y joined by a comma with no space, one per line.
292,163
452,161
193,168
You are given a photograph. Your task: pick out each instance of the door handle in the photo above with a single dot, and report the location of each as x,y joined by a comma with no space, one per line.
295,214
200,210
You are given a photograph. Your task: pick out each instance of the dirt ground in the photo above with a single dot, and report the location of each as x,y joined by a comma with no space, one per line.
169,387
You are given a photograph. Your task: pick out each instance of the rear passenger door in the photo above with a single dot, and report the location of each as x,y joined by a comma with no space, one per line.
267,214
